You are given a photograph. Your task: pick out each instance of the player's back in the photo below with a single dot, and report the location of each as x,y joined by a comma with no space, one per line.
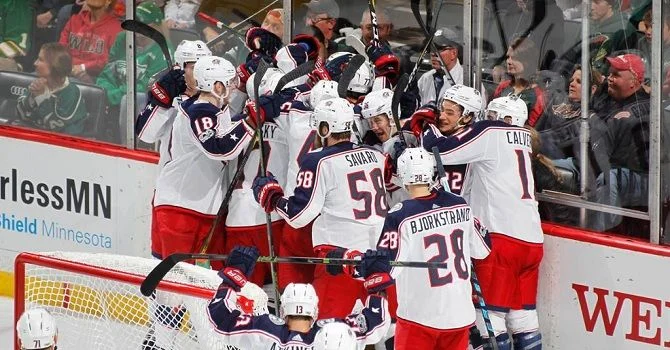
499,185
191,179
294,121
243,210
343,185
436,228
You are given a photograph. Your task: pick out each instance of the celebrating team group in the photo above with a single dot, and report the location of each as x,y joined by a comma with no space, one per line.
337,177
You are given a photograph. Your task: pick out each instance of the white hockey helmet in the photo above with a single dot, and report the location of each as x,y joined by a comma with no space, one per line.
211,69
252,299
335,336
363,79
468,98
337,112
323,90
416,166
299,299
376,103
508,106
267,85
36,329
190,51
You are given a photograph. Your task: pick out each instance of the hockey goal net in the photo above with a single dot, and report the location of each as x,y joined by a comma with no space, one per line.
97,304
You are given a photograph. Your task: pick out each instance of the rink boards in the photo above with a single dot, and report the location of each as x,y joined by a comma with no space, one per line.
58,193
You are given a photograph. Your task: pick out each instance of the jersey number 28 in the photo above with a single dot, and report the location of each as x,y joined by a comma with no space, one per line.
460,265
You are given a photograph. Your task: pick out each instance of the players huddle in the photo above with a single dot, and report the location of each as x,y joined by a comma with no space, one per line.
334,163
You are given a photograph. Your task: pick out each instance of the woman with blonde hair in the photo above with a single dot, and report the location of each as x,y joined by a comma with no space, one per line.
51,102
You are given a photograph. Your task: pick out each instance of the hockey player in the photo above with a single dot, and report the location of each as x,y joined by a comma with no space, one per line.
509,109
246,222
37,330
298,325
295,121
335,336
347,217
500,190
432,226
155,122
376,110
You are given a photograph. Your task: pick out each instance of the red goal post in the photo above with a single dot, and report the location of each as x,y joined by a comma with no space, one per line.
97,304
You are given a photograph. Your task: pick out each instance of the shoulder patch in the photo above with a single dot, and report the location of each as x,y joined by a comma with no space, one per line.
206,135
276,320
325,321
395,208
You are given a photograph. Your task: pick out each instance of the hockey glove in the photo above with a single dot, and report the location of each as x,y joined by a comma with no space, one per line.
245,70
267,192
172,84
270,107
427,114
309,43
239,265
409,101
342,253
263,41
376,269
389,168
386,63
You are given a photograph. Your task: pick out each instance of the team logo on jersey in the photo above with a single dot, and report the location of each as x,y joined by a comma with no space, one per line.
395,208
206,135
276,320
324,322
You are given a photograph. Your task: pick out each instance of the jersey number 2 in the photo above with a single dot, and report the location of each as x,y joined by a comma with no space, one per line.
461,266
378,197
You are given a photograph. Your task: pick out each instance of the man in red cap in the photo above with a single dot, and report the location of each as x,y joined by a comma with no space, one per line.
620,141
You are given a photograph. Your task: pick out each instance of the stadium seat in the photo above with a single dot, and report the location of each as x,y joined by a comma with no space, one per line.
14,84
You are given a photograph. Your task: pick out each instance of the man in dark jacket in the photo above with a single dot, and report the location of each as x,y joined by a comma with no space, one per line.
620,141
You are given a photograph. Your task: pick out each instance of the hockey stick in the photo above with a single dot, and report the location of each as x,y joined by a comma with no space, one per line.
414,4
356,44
222,36
156,275
152,33
348,75
294,74
375,25
475,282
400,88
262,68
485,311
215,22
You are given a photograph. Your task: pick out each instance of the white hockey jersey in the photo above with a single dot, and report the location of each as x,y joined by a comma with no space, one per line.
342,187
437,228
154,124
499,183
201,142
243,210
294,121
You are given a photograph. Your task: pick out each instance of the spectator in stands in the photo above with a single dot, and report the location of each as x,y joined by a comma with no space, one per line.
547,33
620,141
644,42
322,15
89,35
181,13
149,61
610,30
433,83
522,63
53,103
384,25
16,28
